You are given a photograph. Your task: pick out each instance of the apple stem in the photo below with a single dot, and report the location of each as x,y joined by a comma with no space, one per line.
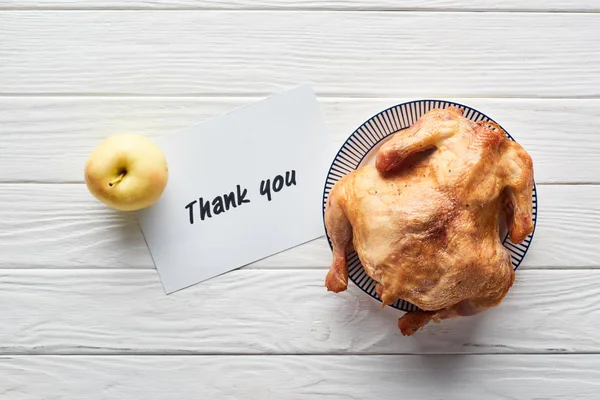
117,179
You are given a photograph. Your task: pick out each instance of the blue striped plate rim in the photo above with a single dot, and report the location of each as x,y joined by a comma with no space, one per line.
369,135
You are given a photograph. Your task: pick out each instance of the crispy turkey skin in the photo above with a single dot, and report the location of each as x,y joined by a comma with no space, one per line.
425,219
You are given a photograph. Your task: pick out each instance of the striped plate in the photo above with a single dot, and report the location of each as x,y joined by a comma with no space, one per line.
361,148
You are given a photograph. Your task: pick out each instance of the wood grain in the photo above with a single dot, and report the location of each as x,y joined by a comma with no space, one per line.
292,377
67,228
83,311
278,312
425,54
34,224
63,226
47,139
362,5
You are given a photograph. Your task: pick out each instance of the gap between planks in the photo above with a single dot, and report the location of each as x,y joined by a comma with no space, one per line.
258,96
269,268
67,182
308,9
249,355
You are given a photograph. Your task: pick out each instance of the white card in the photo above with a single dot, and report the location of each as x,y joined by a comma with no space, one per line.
215,214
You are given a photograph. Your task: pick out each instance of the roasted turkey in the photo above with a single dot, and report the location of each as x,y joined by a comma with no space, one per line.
425,219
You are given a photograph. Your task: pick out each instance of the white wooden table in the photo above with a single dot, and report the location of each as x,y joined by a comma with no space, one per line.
82,311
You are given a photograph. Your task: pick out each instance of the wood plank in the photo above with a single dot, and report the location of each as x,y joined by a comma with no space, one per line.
389,5
295,377
278,312
341,53
68,228
47,139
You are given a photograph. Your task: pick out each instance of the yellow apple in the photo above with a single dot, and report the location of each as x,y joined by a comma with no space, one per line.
127,172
